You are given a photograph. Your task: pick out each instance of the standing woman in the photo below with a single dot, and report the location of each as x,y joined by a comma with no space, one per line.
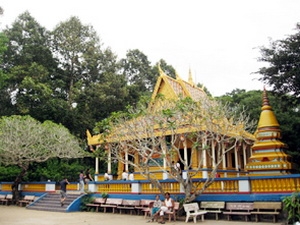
81,182
88,176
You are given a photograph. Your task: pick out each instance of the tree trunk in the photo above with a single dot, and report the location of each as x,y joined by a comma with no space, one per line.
15,186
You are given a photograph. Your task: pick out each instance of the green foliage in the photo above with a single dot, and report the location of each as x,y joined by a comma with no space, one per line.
291,204
104,195
9,173
55,170
283,57
86,199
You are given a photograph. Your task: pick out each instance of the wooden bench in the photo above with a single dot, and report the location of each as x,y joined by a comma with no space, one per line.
173,212
128,205
266,208
238,208
112,203
6,199
3,199
144,207
192,211
96,203
213,207
26,200
148,210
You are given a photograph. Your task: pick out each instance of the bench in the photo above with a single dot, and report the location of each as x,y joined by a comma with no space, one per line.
6,199
112,203
128,205
238,208
3,199
266,208
26,200
213,207
96,203
173,212
148,209
192,210
144,207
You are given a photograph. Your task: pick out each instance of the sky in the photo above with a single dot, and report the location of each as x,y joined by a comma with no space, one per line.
217,40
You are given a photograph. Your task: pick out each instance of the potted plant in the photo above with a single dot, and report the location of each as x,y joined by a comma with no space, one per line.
104,195
291,204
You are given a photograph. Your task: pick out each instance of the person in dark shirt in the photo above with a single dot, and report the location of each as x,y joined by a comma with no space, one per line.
63,191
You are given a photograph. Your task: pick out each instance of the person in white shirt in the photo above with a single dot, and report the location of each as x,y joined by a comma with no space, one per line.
107,177
167,207
131,176
124,175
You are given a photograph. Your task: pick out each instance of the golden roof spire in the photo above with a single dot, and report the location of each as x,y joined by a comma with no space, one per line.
190,79
177,76
267,117
160,71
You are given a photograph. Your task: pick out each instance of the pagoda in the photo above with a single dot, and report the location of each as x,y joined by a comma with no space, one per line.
268,156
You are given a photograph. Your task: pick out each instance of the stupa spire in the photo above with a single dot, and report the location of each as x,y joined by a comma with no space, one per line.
268,156
190,79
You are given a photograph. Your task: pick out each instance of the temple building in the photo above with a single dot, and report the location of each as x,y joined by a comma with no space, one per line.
258,154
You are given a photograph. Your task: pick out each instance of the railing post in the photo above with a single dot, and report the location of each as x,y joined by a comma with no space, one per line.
244,185
92,187
50,186
136,187
165,175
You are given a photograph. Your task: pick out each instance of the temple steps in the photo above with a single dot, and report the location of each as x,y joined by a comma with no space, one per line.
51,202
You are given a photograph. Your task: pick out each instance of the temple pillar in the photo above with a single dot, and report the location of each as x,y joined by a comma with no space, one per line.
224,159
185,155
204,158
126,159
109,161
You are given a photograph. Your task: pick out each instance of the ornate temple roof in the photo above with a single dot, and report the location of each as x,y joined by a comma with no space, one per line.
175,88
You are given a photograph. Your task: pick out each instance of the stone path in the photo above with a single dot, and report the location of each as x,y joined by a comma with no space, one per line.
15,215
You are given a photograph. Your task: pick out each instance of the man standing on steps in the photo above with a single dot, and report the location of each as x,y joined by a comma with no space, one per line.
63,191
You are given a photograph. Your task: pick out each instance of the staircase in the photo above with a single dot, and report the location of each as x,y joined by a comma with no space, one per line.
51,202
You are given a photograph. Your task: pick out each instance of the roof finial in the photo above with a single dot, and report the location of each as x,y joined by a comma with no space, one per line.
191,78
265,100
177,75
160,71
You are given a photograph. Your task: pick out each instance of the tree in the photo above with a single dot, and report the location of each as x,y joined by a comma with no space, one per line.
24,140
283,57
168,69
138,72
31,71
150,136
77,47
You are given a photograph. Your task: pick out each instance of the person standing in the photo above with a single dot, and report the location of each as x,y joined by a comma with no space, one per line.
81,182
131,176
63,191
124,175
88,176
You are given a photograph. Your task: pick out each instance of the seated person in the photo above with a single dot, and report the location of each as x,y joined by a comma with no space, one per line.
155,208
167,207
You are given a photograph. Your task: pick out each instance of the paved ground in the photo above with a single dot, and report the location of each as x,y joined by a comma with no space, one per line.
15,215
